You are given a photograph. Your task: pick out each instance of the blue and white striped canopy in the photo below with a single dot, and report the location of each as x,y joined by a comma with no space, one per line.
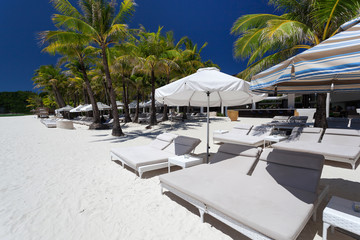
333,65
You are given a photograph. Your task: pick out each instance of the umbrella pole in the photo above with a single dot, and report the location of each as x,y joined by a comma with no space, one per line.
207,130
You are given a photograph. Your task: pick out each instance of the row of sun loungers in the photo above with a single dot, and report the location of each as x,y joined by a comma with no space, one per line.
271,196
341,145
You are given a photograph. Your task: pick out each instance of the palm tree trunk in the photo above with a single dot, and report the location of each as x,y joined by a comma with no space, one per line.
136,117
91,95
116,131
126,103
153,110
106,93
86,96
58,96
320,115
165,115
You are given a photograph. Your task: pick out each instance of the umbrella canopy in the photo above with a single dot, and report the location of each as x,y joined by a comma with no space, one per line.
134,103
333,65
148,104
67,108
207,87
100,105
77,109
224,90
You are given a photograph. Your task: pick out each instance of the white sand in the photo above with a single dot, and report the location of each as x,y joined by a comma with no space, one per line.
61,184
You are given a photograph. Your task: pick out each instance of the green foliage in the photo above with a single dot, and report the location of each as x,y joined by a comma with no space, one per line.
267,39
15,102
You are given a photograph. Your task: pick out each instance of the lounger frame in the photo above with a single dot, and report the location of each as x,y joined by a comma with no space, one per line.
245,230
146,168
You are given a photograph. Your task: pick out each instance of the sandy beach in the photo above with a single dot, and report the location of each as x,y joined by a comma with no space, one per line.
61,184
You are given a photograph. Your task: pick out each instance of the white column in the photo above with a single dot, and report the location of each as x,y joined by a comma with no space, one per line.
226,112
178,109
222,110
291,100
253,106
327,104
201,109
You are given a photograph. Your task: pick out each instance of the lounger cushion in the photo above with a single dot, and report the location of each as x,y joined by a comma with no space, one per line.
293,169
138,156
328,150
163,140
244,140
273,210
182,145
305,134
348,137
242,126
260,131
245,155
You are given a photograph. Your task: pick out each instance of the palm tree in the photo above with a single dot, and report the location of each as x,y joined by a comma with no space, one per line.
267,39
51,79
99,24
79,58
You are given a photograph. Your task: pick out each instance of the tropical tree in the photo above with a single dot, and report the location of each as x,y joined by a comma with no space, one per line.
267,39
97,23
79,58
52,80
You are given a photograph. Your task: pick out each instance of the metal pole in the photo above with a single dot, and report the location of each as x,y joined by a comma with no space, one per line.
208,121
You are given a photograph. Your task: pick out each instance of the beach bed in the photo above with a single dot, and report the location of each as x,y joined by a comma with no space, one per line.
154,155
275,202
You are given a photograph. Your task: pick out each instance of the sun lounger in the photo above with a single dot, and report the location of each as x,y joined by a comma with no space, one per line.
337,122
49,123
292,122
342,145
275,202
156,154
254,138
237,131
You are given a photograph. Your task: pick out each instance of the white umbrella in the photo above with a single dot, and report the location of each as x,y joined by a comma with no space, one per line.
101,106
207,87
77,109
84,107
67,108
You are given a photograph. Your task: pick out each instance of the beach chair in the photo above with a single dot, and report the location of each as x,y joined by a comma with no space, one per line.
254,138
341,145
275,202
237,131
337,122
49,123
154,155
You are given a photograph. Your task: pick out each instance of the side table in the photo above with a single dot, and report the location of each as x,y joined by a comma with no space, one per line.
340,213
183,161
273,138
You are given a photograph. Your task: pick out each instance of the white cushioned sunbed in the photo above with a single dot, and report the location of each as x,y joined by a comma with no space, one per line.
156,154
275,202
254,138
237,131
342,145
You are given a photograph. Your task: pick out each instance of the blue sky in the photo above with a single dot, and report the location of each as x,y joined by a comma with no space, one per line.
201,20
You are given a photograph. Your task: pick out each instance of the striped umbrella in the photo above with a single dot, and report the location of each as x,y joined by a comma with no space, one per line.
333,65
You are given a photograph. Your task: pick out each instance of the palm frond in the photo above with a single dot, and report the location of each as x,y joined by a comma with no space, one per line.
74,24
64,7
246,22
127,8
